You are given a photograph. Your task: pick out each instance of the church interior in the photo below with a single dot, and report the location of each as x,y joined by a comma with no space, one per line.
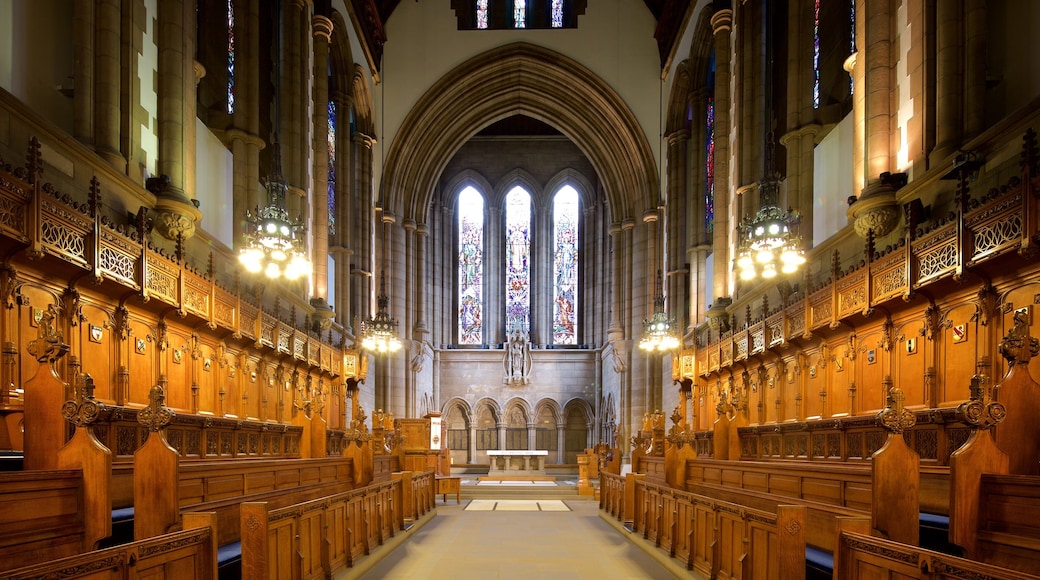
757,276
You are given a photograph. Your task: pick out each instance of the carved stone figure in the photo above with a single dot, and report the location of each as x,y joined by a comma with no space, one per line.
518,359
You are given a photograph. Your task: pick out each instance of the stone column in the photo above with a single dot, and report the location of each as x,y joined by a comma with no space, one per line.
364,263
532,440
408,268
681,222
471,450
494,254
949,98
83,24
243,136
975,42
876,209
502,438
107,86
322,29
176,215
616,331
420,331
343,244
721,23
561,441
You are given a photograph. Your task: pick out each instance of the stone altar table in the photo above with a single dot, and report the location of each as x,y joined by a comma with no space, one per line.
517,462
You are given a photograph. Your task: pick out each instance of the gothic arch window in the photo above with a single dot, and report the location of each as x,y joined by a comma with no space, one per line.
565,266
471,266
518,259
519,13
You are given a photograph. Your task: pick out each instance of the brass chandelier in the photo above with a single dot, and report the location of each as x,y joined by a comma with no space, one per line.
379,333
768,243
659,330
274,244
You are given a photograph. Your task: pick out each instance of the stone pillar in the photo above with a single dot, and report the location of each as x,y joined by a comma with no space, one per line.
471,450
343,242
420,331
243,137
561,441
721,23
949,98
494,302
975,43
876,209
107,71
502,438
409,268
322,29
532,440
363,291
176,215
680,222
83,24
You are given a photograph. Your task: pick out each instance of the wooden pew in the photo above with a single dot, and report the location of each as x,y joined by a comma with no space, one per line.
321,536
1009,522
189,553
721,539
861,557
41,516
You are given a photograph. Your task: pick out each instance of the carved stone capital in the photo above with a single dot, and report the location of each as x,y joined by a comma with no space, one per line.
876,210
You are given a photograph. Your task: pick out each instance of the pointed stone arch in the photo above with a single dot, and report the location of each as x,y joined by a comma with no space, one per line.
363,114
516,177
521,79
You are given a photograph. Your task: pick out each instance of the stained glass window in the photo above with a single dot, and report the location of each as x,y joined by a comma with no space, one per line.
482,14
556,16
852,38
709,168
565,266
519,13
230,57
816,55
332,168
518,259
471,266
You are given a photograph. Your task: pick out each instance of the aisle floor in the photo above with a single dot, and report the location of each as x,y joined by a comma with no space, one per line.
460,544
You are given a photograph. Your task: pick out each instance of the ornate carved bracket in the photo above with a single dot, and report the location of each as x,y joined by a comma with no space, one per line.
156,415
980,410
84,409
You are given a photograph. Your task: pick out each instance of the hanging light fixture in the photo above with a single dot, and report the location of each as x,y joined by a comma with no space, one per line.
768,243
659,330
274,244
379,333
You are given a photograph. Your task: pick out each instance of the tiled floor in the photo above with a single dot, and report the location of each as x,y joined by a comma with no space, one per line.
506,544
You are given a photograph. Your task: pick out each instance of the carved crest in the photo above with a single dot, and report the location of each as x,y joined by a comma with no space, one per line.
1018,346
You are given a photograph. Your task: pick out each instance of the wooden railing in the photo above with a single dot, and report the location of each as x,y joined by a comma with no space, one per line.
861,556
320,537
190,553
715,538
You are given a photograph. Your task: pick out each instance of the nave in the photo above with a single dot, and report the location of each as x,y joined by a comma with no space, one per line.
463,543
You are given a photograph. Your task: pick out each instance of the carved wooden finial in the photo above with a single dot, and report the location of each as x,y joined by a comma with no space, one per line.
156,415
895,417
34,161
83,410
980,410
1018,346
94,197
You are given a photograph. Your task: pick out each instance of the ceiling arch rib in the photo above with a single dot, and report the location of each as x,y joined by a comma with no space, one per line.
521,79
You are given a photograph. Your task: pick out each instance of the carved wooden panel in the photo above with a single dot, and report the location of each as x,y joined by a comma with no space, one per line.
995,227
852,293
935,254
821,308
120,258
890,276
196,294
163,279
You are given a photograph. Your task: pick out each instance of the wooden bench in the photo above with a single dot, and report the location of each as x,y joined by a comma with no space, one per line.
189,553
41,516
1009,521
